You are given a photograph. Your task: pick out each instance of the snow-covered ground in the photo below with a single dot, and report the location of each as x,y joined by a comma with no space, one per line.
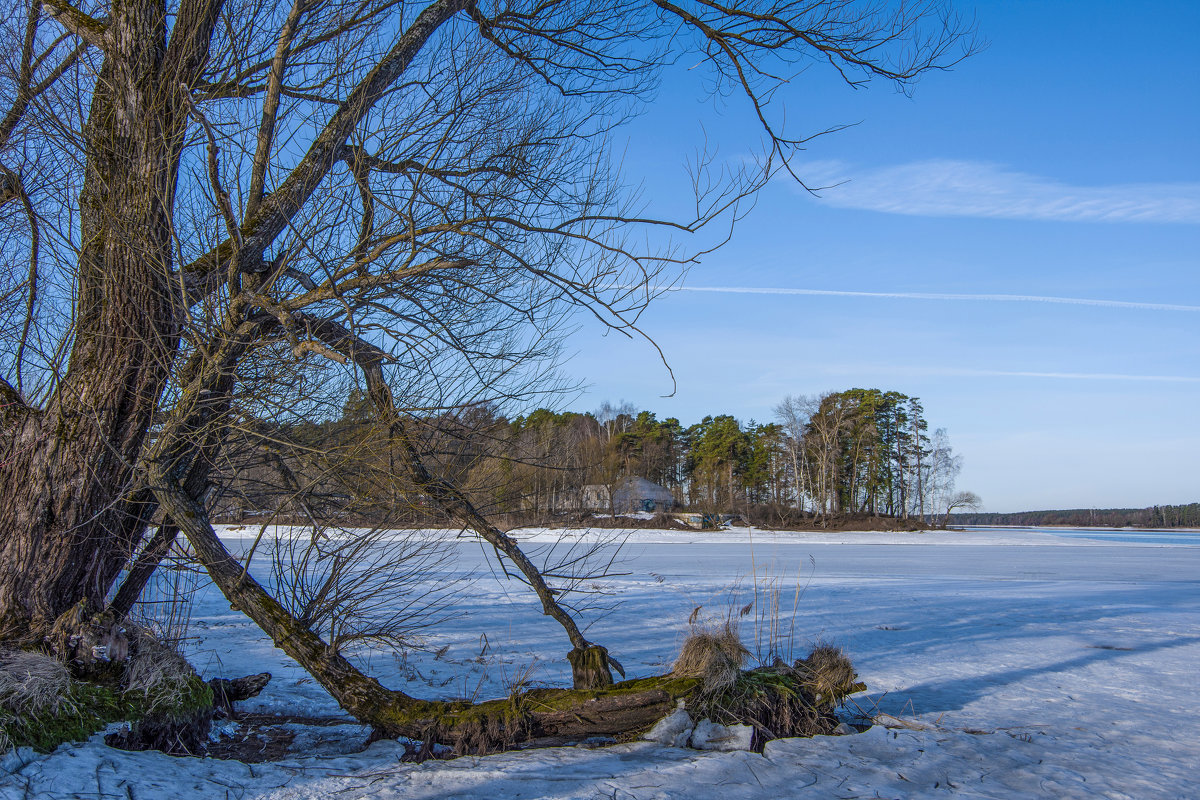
1015,663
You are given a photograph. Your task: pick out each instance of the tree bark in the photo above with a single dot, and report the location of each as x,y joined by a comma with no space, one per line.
71,512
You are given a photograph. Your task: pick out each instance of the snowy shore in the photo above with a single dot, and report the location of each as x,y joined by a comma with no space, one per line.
1016,663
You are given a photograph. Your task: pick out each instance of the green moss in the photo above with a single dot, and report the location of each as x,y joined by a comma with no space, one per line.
499,724
564,699
450,715
196,695
88,707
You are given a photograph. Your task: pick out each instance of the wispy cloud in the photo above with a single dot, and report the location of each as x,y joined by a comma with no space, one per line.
979,189
999,298
1076,376
965,372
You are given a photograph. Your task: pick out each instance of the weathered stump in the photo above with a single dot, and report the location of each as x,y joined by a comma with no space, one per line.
227,692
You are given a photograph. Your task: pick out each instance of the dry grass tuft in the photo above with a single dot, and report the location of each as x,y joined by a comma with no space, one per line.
714,654
156,670
827,673
32,683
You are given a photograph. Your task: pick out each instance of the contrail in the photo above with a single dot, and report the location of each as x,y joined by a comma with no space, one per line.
959,372
1001,298
1086,376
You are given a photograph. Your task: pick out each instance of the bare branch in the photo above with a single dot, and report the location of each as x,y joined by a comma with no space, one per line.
91,30
266,129
286,201
13,185
448,497
222,196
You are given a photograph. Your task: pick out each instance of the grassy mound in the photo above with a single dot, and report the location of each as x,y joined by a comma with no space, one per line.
779,700
42,705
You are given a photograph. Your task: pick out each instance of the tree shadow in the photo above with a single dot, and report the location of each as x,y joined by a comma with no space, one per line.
936,697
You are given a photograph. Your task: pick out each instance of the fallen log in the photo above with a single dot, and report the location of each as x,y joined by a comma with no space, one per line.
781,700
777,701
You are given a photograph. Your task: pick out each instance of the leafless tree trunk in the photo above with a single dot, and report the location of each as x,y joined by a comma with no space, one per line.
71,509
795,413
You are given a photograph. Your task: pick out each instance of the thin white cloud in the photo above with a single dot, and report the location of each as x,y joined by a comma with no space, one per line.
1075,376
978,189
963,372
999,298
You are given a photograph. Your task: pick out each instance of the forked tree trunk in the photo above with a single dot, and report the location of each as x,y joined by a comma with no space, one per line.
71,509
620,710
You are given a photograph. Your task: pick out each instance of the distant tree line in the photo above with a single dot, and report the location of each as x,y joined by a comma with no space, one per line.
855,452
1181,516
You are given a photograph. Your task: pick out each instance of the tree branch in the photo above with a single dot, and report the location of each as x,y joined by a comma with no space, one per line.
277,209
15,186
452,501
266,128
189,45
359,694
91,30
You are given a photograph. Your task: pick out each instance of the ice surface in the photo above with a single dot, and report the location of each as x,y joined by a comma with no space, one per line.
1010,664
709,735
673,730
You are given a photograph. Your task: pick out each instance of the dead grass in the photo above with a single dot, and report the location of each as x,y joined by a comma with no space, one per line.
32,683
156,670
713,653
827,673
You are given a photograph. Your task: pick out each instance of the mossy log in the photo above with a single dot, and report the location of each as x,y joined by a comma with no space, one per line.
227,692
622,711
776,701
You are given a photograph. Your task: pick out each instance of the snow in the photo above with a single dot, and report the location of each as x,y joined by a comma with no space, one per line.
1004,663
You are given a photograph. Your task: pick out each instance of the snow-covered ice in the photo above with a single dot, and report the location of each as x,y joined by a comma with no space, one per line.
1008,663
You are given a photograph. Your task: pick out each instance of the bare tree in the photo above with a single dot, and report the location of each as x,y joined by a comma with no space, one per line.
794,413
211,206
941,471
966,501
827,430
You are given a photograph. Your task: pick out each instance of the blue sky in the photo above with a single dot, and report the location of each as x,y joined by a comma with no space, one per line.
1061,162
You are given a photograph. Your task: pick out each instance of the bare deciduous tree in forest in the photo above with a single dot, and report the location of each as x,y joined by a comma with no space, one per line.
209,207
